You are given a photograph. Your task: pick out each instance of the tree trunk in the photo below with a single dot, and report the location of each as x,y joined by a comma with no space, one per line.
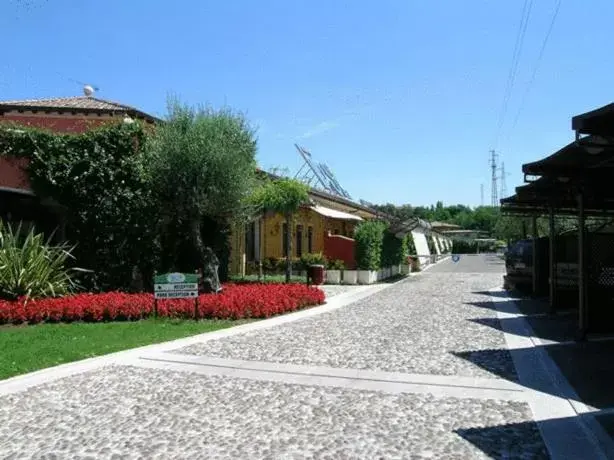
260,272
198,247
288,248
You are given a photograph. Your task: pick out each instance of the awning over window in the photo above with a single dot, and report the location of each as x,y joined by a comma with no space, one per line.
334,214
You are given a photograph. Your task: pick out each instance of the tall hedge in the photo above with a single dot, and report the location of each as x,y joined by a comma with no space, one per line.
394,250
409,241
369,237
97,178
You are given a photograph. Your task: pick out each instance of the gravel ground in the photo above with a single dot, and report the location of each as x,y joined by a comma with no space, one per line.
472,263
421,325
130,413
332,290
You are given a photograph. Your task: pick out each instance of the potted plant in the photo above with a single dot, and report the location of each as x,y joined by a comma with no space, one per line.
350,277
369,237
414,264
368,276
334,271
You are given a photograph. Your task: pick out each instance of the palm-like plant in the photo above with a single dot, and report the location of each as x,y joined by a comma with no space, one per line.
31,266
285,197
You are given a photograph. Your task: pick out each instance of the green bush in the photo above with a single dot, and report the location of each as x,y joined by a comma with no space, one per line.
464,247
30,266
336,265
394,250
270,265
281,264
316,258
369,237
415,264
409,241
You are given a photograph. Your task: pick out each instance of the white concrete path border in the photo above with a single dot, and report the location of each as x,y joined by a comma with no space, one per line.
22,382
558,411
358,379
428,267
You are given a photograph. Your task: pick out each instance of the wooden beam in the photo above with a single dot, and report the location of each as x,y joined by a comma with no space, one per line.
582,326
552,256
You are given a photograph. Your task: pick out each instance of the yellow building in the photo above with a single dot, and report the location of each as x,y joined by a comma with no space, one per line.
327,214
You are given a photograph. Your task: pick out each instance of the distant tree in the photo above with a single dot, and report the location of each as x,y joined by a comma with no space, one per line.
403,212
285,197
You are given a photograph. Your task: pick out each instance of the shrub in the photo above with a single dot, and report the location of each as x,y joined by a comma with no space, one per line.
283,263
409,241
369,237
270,264
316,258
464,247
336,265
30,266
415,264
394,250
235,302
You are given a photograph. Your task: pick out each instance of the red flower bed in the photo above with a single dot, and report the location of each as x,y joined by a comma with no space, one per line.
235,302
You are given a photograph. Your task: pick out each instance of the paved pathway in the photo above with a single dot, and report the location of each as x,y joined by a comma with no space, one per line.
412,370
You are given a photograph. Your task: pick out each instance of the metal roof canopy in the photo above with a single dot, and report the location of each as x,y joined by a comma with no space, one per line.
586,189
595,184
571,161
333,213
599,121
406,226
522,204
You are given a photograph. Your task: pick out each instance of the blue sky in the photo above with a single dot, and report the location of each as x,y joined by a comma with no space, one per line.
400,98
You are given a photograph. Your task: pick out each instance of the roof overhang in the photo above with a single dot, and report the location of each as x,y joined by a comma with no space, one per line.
7,107
334,214
401,228
536,205
598,122
574,159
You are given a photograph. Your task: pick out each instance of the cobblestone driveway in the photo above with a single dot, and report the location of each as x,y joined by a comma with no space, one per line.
416,326
432,330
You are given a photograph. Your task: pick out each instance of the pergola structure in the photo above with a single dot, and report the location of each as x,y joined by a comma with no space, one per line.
577,180
423,230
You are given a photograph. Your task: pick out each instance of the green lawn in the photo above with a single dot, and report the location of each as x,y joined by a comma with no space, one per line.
28,348
267,279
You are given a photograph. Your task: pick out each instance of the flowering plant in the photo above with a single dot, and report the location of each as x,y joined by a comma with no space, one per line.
235,302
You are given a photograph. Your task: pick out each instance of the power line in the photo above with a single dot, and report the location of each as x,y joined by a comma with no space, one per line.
522,28
537,63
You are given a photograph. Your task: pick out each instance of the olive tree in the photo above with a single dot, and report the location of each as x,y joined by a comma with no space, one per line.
201,166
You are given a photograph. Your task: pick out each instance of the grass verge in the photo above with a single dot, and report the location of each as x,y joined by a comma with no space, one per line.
267,279
29,348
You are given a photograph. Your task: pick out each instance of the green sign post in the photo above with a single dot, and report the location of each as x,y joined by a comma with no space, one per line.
176,286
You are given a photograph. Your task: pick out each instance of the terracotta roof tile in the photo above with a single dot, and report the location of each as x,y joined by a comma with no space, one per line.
76,103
